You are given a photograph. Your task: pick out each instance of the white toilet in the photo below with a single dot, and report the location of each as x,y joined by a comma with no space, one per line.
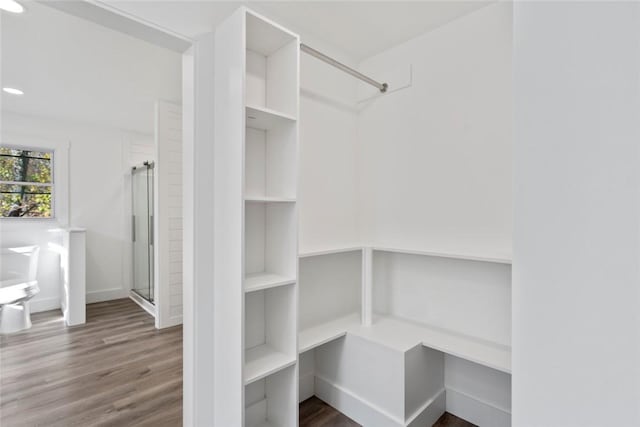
18,284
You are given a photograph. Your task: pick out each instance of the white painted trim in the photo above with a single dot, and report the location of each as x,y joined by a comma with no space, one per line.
368,414
429,413
44,304
353,406
110,16
143,303
106,295
476,411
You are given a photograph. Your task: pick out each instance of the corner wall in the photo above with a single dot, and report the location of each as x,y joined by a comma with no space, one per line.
435,158
435,174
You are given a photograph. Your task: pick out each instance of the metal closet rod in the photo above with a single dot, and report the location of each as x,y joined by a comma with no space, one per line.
382,87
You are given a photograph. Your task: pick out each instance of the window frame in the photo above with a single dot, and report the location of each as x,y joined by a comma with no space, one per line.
59,177
52,184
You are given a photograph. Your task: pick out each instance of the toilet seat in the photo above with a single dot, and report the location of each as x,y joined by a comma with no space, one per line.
18,293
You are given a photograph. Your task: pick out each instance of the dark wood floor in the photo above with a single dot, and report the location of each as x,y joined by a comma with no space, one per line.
315,413
450,420
117,370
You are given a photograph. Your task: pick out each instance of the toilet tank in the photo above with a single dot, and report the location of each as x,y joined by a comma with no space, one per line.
18,264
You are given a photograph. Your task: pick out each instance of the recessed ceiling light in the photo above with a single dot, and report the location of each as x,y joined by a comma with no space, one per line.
13,91
11,6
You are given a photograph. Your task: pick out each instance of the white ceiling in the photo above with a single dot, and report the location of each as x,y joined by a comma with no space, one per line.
359,28
73,69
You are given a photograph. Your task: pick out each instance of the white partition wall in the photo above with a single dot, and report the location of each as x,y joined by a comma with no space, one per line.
576,304
255,222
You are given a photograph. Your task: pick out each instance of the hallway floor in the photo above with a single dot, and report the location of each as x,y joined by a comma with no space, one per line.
116,370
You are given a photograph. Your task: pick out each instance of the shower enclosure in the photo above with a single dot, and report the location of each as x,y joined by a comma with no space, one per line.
142,230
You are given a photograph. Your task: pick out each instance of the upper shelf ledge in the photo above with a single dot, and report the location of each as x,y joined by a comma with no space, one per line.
439,254
265,118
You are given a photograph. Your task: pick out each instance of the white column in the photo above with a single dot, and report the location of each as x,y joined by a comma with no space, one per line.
198,345
74,292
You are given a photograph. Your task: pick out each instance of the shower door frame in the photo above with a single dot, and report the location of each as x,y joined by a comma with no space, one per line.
148,167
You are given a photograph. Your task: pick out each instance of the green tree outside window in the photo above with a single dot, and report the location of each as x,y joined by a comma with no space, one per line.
26,183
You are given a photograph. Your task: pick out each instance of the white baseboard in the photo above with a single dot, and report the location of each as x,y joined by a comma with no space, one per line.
368,414
44,304
354,407
476,411
306,386
429,413
106,295
143,303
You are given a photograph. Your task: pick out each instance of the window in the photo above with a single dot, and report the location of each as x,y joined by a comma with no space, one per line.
26,183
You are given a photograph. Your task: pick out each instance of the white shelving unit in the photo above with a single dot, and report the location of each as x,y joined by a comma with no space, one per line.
357,307
255,219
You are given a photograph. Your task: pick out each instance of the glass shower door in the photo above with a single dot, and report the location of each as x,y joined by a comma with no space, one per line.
142,230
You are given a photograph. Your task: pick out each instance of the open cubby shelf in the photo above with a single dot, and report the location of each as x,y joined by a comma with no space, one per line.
270,401
270,164
270,332
270,241
262,118
259,281
263,360
272,70
315,336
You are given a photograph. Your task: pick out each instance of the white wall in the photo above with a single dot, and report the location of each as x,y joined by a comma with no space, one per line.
327,165
330,287
435,158
98,174
435,174
576,293
468,297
